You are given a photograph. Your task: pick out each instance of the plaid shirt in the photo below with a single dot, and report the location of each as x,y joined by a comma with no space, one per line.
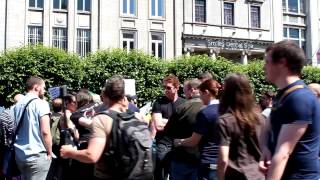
6,127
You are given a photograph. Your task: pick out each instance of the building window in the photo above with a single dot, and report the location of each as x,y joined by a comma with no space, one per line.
60,38
157,8
84,5
293,6
129,7
255,16
36,4
128,41
35,34
228,13
83,42
295,34
157,45
60,4
200,10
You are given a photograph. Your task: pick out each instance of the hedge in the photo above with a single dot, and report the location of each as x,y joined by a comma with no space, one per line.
58,67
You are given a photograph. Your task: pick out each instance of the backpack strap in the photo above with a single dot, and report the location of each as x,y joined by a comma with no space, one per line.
20,123
288,91
115,125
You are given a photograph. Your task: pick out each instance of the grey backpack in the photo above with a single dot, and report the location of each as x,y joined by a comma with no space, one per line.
129,153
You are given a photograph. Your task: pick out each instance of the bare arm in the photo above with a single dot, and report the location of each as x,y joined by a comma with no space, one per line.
89,155
288,137
96,144
265,159
85,122
160,122
46,133
222,161
189,142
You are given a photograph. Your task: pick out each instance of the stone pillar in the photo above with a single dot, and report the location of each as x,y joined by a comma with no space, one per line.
94,25
214,52
312,32
72,32
46,26
188,51
244,56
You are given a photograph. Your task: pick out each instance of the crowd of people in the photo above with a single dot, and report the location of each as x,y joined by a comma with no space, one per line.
216,131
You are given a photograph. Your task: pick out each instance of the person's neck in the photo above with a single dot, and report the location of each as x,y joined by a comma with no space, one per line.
282,83
33,92
174,98
117,107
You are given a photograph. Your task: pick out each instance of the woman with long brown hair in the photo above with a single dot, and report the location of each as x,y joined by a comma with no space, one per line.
238,129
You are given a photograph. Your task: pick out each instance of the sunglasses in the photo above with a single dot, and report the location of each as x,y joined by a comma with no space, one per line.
167,87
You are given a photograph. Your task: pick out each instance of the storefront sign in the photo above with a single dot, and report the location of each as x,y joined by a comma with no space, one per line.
235,44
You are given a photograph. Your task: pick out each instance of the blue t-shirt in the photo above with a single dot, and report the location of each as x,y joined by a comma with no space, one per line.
298,107
29,142
206,126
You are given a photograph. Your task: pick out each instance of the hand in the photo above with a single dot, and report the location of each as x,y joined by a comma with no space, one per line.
177,142
49,157
160,124
66,151
265,160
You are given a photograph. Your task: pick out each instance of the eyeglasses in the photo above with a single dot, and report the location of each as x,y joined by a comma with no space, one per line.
167,87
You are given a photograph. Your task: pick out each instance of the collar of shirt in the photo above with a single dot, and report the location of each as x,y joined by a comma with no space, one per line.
214,101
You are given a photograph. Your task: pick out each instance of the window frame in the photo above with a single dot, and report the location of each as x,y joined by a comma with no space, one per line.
83,41
60,5
36,5
301,10
232,15
205,11
259,16
157,42
156,9
35,36
83,6
128,7
302,40
128,40
61,40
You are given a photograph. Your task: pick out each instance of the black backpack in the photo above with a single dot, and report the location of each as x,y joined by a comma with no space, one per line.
129,153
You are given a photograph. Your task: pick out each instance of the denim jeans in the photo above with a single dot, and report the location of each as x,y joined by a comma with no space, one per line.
207,172
34,168
183,171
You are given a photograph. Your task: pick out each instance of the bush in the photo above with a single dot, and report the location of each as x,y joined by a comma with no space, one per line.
58,67
146,70
55,66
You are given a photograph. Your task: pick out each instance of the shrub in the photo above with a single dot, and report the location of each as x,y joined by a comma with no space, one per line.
55,66
58,67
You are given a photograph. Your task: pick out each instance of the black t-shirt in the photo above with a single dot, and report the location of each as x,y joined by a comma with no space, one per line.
166,107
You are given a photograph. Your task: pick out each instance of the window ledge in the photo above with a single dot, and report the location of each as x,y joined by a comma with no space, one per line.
129,16
201,23
35,9
60,10
294,24
295,14
157,18
229,26
256,28
84,12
